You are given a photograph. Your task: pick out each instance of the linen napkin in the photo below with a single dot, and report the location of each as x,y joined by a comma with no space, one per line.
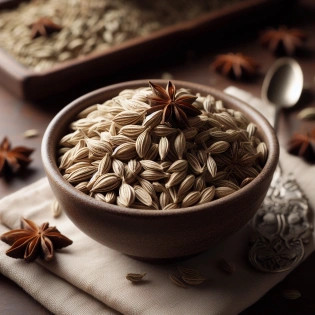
89,278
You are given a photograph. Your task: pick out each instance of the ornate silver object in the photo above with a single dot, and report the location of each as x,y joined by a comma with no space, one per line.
280,227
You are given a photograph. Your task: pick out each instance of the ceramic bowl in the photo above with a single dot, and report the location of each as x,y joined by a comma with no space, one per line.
153,234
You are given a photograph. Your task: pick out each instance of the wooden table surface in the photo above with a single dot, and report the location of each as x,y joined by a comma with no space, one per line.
191,64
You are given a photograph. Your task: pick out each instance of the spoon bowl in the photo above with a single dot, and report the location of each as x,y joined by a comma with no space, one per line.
282,86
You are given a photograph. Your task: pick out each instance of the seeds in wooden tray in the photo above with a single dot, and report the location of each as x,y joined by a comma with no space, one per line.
87,27
135,277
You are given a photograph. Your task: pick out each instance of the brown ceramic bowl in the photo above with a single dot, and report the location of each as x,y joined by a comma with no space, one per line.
153,234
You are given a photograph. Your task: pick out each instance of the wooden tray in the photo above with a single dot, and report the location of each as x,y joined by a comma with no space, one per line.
31,85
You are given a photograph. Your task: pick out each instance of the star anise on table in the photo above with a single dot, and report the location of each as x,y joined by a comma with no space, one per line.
44,27
283,40
176,107
236,66
13,159
32,241
303,145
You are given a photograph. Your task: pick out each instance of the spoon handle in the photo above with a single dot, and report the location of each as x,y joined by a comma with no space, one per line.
278,109
280,227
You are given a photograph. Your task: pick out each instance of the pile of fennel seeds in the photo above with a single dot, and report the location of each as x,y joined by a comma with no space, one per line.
116,153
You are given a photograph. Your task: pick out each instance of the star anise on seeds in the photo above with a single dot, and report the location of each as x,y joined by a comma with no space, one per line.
15,158
176,107
32,241
303,145
236,66
283,40
44,27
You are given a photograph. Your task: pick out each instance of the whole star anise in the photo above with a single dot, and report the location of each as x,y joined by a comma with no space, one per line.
32,241
176,107
303,145
44,27
236,66
283,40
15,158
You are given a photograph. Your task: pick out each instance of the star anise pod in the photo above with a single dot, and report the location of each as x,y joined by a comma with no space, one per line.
236,66
44,27
176,107
32,241
283,40
303,145
15,158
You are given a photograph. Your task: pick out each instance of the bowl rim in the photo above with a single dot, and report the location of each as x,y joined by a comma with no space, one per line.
51,168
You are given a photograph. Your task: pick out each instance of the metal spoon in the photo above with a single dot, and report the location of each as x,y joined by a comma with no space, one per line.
282,86
281,225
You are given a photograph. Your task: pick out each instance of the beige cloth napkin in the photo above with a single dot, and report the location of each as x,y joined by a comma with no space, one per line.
88,278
